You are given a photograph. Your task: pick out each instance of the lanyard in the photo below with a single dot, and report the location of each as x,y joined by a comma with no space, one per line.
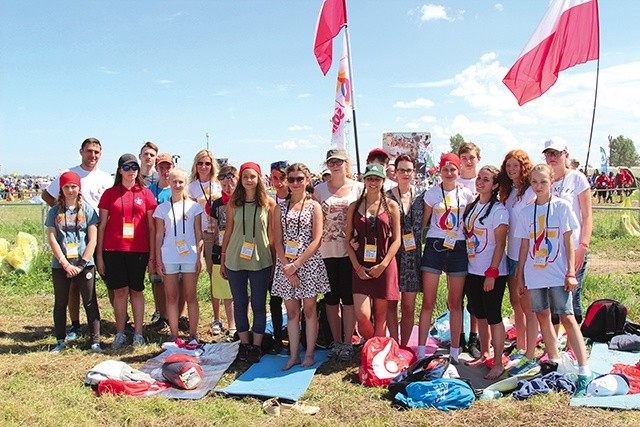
473,220
286,228
402,213
543,236
208,199
175,226
133,200
66,227
374,220
254,220
446,208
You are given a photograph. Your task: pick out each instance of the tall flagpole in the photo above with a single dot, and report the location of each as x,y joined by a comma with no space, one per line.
593,115
353,98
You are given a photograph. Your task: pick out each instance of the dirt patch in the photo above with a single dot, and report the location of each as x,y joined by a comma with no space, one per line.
601,264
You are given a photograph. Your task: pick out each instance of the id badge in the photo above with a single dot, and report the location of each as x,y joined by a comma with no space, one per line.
471,248
370,253
246,252
127,230
540,260
291,249
409,241
182,247
450,240
220,237
72,250
211,228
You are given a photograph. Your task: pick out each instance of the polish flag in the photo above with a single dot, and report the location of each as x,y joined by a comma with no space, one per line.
568,35
342,106
333,16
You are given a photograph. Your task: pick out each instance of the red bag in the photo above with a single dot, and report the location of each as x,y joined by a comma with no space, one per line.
381,362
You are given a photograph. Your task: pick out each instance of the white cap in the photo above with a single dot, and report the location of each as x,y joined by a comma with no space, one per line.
608,385
555,144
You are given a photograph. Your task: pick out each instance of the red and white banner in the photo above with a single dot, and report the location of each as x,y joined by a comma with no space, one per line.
568,35
342,109
333,16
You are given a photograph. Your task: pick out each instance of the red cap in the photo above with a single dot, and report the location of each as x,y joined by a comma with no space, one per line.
164,158
69,178
251,165
450,158
376,152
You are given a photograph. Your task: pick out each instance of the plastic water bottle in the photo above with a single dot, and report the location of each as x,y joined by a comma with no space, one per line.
489,394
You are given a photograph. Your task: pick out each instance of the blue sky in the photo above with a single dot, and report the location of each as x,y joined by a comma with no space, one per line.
244,72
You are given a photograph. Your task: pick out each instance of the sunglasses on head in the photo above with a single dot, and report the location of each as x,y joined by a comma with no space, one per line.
204,163
133,167
278,165
226,176
292,179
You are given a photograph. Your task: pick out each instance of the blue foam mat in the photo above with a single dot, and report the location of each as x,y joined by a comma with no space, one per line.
601,361
267,379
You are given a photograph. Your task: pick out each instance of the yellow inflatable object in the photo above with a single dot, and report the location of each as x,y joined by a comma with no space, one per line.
22,253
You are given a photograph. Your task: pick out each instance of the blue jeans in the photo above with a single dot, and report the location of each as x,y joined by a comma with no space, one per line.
259,282
578,309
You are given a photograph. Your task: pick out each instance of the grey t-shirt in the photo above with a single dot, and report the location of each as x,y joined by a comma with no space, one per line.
68,230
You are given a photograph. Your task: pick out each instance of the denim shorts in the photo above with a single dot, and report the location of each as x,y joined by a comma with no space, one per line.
555,298
512,265
437,259
180,268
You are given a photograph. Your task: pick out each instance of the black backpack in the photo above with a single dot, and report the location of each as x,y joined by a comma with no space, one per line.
604,319
426,369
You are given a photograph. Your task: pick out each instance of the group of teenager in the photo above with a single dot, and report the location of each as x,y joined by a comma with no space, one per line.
360,244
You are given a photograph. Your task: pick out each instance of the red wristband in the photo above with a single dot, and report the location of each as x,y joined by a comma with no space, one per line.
567,276
584,245
358,269
492,273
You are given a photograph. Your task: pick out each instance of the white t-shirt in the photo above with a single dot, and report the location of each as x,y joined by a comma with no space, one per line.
204,192
561,219
334,211
569,188
93,183
389,184
178,227
514,207
447,212
470,183
484,237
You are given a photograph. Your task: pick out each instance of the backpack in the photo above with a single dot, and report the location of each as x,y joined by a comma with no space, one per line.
444,394
325,337
604,319
426,369
381,361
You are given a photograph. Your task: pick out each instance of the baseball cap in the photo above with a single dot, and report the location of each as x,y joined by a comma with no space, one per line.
450,158
374,169
337,153
127,158
608,385
164,158
554,145
377,152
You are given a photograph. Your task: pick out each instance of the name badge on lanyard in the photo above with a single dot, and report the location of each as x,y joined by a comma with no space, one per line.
409,241
181,246
540,259
291,249
127,230
450,239
220,237
71,250
370,252
246,252
471,247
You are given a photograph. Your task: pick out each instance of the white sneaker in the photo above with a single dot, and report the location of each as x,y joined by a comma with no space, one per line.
118,341
138,340
216,327
58,348
95,347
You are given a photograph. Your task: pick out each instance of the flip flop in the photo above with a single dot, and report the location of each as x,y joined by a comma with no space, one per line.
271,407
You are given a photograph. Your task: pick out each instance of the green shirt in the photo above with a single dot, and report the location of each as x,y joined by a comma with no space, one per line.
246,223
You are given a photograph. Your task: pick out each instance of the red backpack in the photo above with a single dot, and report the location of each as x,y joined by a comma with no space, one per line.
381,361
604,319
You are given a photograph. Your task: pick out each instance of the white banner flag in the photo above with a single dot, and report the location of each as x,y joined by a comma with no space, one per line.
342,110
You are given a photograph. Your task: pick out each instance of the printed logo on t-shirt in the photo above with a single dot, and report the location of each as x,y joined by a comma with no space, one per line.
138,201
480,234
545,240
448,217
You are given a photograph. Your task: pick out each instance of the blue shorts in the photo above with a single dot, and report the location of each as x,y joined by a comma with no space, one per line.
179,268
437,259
512,265
555,298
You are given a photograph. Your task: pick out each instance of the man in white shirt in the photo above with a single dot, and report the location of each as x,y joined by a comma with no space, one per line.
93,182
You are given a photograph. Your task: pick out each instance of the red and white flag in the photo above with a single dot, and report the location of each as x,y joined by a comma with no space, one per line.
568,35
342,109
333,16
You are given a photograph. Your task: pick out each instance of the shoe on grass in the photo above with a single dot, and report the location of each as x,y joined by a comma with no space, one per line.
346,353
243,352
525,368
514,358
155,317
138,340
255,354
118,341
73,334
95,347
334,349
216,327
473,346
58,348
581,385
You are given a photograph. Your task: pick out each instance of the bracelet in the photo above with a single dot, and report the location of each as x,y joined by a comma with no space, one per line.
151,260
567,276
358,269
295,267
82,263
222,253
492,273
584,245
292,274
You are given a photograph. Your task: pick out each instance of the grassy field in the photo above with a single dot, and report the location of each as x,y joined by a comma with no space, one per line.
38,388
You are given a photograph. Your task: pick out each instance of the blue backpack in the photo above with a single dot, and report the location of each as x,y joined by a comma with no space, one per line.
445,394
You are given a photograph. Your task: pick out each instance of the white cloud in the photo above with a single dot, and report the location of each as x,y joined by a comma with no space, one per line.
304,95
164,82
294,144
299,127
434,12
499,7
428,119
418,103
412,126
107,70
437,83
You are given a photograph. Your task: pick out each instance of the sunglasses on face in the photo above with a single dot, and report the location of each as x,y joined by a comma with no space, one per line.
335,162
133,167
204,163
279,165
226,176
292,179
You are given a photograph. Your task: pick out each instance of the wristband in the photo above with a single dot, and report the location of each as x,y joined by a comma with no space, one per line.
492,273
222,253
584,245
358,269
295,267
567,276
82,263
151,261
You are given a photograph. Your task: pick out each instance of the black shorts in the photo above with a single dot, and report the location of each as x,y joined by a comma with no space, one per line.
339,271
485,305
125,269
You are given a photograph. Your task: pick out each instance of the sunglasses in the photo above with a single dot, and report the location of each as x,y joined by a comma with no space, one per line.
292,179
204,163
226,176
127,168
335,162
279,165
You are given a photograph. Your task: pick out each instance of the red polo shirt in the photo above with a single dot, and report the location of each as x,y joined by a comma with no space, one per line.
127,205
